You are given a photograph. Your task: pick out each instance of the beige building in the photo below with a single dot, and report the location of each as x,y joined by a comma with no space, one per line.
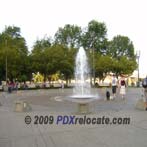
131,80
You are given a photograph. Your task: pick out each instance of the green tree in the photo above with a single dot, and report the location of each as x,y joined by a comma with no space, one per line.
69,36
123,66
13,51
121,50
94,39
39,58
60,59
53,59
67,64
94,36
103,66
121,46
42,44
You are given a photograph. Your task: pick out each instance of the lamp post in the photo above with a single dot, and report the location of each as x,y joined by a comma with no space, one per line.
138,57
93,60
6,68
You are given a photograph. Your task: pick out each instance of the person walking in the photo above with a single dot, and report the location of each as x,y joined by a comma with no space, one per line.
114,86
144,85
62,86
122,87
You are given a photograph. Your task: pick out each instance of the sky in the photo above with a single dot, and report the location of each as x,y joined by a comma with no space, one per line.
40,18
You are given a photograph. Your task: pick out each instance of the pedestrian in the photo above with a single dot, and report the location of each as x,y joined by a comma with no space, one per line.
114,86
62,85
122,87
144,85
10,86
16,86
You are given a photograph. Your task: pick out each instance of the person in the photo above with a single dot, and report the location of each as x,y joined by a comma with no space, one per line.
25,86
16,86
62,86
10,86
123,87
144,85
114,86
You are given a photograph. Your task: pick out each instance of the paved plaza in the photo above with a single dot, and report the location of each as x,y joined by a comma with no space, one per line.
14,132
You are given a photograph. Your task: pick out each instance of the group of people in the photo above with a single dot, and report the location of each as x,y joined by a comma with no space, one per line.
122,85
118,83
12,85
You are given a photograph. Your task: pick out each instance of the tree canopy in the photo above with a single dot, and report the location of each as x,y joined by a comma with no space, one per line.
14,51
69,36
57,55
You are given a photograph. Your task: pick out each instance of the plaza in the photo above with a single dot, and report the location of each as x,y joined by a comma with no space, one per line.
14,132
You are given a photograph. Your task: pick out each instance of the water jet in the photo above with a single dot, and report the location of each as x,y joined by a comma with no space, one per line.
82,91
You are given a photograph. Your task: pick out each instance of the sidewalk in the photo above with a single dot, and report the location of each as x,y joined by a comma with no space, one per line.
14,132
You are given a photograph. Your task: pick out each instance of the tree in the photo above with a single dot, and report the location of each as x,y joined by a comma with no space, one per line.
54,59
67,65
42,44
38,56
121,50
94,36
68,36
123,66
103,66
60,60
94,39
13,51
121,46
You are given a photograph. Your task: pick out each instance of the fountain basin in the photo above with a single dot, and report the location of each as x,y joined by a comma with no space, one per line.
82,98
83,102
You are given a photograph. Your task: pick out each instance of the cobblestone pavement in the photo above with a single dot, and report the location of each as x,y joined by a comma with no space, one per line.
14,132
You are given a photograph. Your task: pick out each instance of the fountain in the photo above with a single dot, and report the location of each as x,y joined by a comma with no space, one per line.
82,92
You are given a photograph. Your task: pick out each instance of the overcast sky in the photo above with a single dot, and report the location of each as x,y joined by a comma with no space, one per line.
38,18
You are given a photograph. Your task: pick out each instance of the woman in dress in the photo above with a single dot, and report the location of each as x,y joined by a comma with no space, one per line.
123,87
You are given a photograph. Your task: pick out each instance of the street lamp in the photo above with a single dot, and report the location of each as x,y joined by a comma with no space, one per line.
93,62
6,68
138,57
